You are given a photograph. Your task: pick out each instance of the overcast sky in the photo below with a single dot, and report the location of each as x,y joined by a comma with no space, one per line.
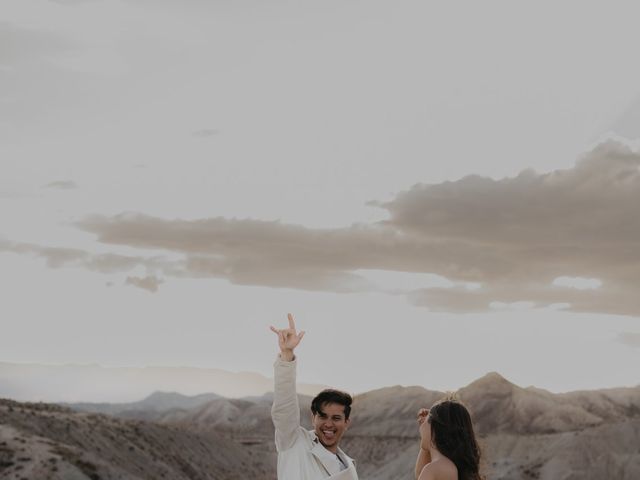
435,191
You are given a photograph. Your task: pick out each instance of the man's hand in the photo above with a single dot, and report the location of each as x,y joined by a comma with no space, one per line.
288,339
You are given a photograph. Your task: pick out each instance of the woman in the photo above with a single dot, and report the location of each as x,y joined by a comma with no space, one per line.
448,446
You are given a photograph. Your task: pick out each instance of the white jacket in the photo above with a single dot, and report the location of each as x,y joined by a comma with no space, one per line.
301,456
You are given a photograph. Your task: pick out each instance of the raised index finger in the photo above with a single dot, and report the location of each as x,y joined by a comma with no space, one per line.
292,324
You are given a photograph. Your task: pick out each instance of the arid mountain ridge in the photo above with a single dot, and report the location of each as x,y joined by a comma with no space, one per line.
498,406
527,433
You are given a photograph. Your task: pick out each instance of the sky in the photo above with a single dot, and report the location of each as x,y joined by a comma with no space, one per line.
434,190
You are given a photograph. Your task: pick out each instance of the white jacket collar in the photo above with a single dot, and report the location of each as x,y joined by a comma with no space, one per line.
327,458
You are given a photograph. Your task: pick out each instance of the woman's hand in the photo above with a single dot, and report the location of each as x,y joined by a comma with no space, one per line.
423,413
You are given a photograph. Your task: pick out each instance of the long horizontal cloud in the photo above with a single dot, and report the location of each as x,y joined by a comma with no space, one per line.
280,255
512,237
57,257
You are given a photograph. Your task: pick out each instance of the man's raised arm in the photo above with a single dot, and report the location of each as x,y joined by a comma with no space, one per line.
285,412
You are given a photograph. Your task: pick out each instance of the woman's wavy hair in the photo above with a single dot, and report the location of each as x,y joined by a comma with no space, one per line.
452,434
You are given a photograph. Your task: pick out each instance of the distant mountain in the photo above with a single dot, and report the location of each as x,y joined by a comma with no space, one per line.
93,383
201,413
157,402
239,417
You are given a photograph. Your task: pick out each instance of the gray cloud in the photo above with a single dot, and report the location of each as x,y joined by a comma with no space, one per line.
149,283
579,222
20,46
207,132
582,206
73,2
514,236
628,124
62,185
511,236
631,339
270,253
13,194
614,299
33,79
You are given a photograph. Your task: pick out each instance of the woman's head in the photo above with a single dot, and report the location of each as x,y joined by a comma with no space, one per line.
448,428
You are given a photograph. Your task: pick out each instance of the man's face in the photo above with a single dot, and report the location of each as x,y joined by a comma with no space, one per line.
329,424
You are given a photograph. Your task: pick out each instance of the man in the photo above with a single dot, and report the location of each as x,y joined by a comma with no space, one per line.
302,454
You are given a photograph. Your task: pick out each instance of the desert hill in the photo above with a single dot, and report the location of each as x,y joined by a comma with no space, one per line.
502,407
43,441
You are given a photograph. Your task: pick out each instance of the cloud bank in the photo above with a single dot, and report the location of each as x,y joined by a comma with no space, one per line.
62,185
631,339
149,283
564,239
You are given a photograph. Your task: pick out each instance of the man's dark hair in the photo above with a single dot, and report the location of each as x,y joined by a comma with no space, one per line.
332,396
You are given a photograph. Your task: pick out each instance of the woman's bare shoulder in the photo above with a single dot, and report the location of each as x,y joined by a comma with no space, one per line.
441,469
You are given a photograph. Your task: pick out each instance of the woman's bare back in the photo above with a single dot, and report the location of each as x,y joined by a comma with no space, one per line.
440,469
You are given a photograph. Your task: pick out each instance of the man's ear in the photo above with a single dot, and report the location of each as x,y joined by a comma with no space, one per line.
347,422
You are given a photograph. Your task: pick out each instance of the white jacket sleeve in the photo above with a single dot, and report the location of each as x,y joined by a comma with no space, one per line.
285,411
